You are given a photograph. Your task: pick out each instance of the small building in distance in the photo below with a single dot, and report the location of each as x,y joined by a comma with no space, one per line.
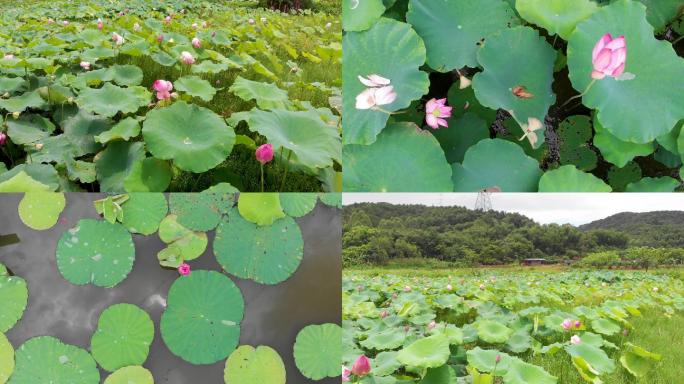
528,262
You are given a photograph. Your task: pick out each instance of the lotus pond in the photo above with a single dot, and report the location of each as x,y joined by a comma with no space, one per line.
513,95
139,288
153,96
513,327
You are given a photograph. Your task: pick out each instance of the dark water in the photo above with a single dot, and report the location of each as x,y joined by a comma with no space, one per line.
273,314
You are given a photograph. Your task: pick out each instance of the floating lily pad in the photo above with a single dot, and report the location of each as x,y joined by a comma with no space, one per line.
204,308
199,211
267,255
318,351
298,204
570,179
266,95
403,159
654,65
29,178
110,99
532,71
430,352
260,208
496,163
6,359
249,365
195,138
14,297
559,17
95,252
130,375
331,198
392,50
466,23
184,244
41,210
195,86
123,337
143,212
45,359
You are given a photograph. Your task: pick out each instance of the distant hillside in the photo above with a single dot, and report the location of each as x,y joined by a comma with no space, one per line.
657,228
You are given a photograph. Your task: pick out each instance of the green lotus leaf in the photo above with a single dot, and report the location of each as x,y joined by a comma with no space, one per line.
331,199
385,363
361,15
143,212
80,131
605,326
164,59
12,84
204,308
593,355
463,133
385,340
195,86
559,17
496,163
195,138
429,352
318,351
116,162
638,361
29,178
660,12
110,99
521,372
464,102
667,158
184,244
208,66
466,23
22,182
313,143
390,49
260,208
617,151
586,371
249,365
95,252
493,331
200,211
519,342
6,359
574,134
80,170
21,103
298,204
127,75
125,129
267,255
123,337
14,296
620,177
485,360
148,175
45,359
41,210
651,184
403,159
29,128
439,375
653,64
570,179
534,59
266,95
134,374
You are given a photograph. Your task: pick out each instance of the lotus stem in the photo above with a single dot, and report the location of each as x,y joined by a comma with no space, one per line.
262,177
593,81
287,168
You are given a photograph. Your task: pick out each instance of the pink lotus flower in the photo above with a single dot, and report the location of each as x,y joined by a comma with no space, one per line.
435,112
407,288
575,339
449,287
251,21
609,57
194,26
184,269
167,19
85,65
432,325
3,138
374,81
205,24
264,153
65,22
160,38
186,57
373,97
117,39
497,359
100,24
346,372
566,324
196,42
482,286
578,324
136,27
9,56
361,366
383,314
163,88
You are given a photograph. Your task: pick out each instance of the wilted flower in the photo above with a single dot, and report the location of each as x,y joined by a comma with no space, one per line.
251,21
117,39
85,65
205,24
264,153
328,25
196,42
625,332
566,324
575,339
16,114
346,372
383,314
3,138
655,289
136,27
186,57
184,269
163,88
361,366
464,82
609,57
379,93
407,288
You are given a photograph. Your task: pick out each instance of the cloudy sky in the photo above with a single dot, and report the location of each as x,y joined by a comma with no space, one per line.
573,208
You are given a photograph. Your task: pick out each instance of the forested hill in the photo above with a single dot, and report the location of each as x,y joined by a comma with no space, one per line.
377,232
658,228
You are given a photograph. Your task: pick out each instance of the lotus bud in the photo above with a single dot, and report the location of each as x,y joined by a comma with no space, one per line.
264,153
187,58
566,324
482,286
160,38
136,27
167,19
194,26
383,314
251,21
184,269
15,115
655,289
85,65
361,366
575,340
3,138
609,57
578,324
100,24
449,287
39,146
9,56
497,359
432,325
65,22
196,42
205,24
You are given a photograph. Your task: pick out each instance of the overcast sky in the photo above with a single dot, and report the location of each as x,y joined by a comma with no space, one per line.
561,208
